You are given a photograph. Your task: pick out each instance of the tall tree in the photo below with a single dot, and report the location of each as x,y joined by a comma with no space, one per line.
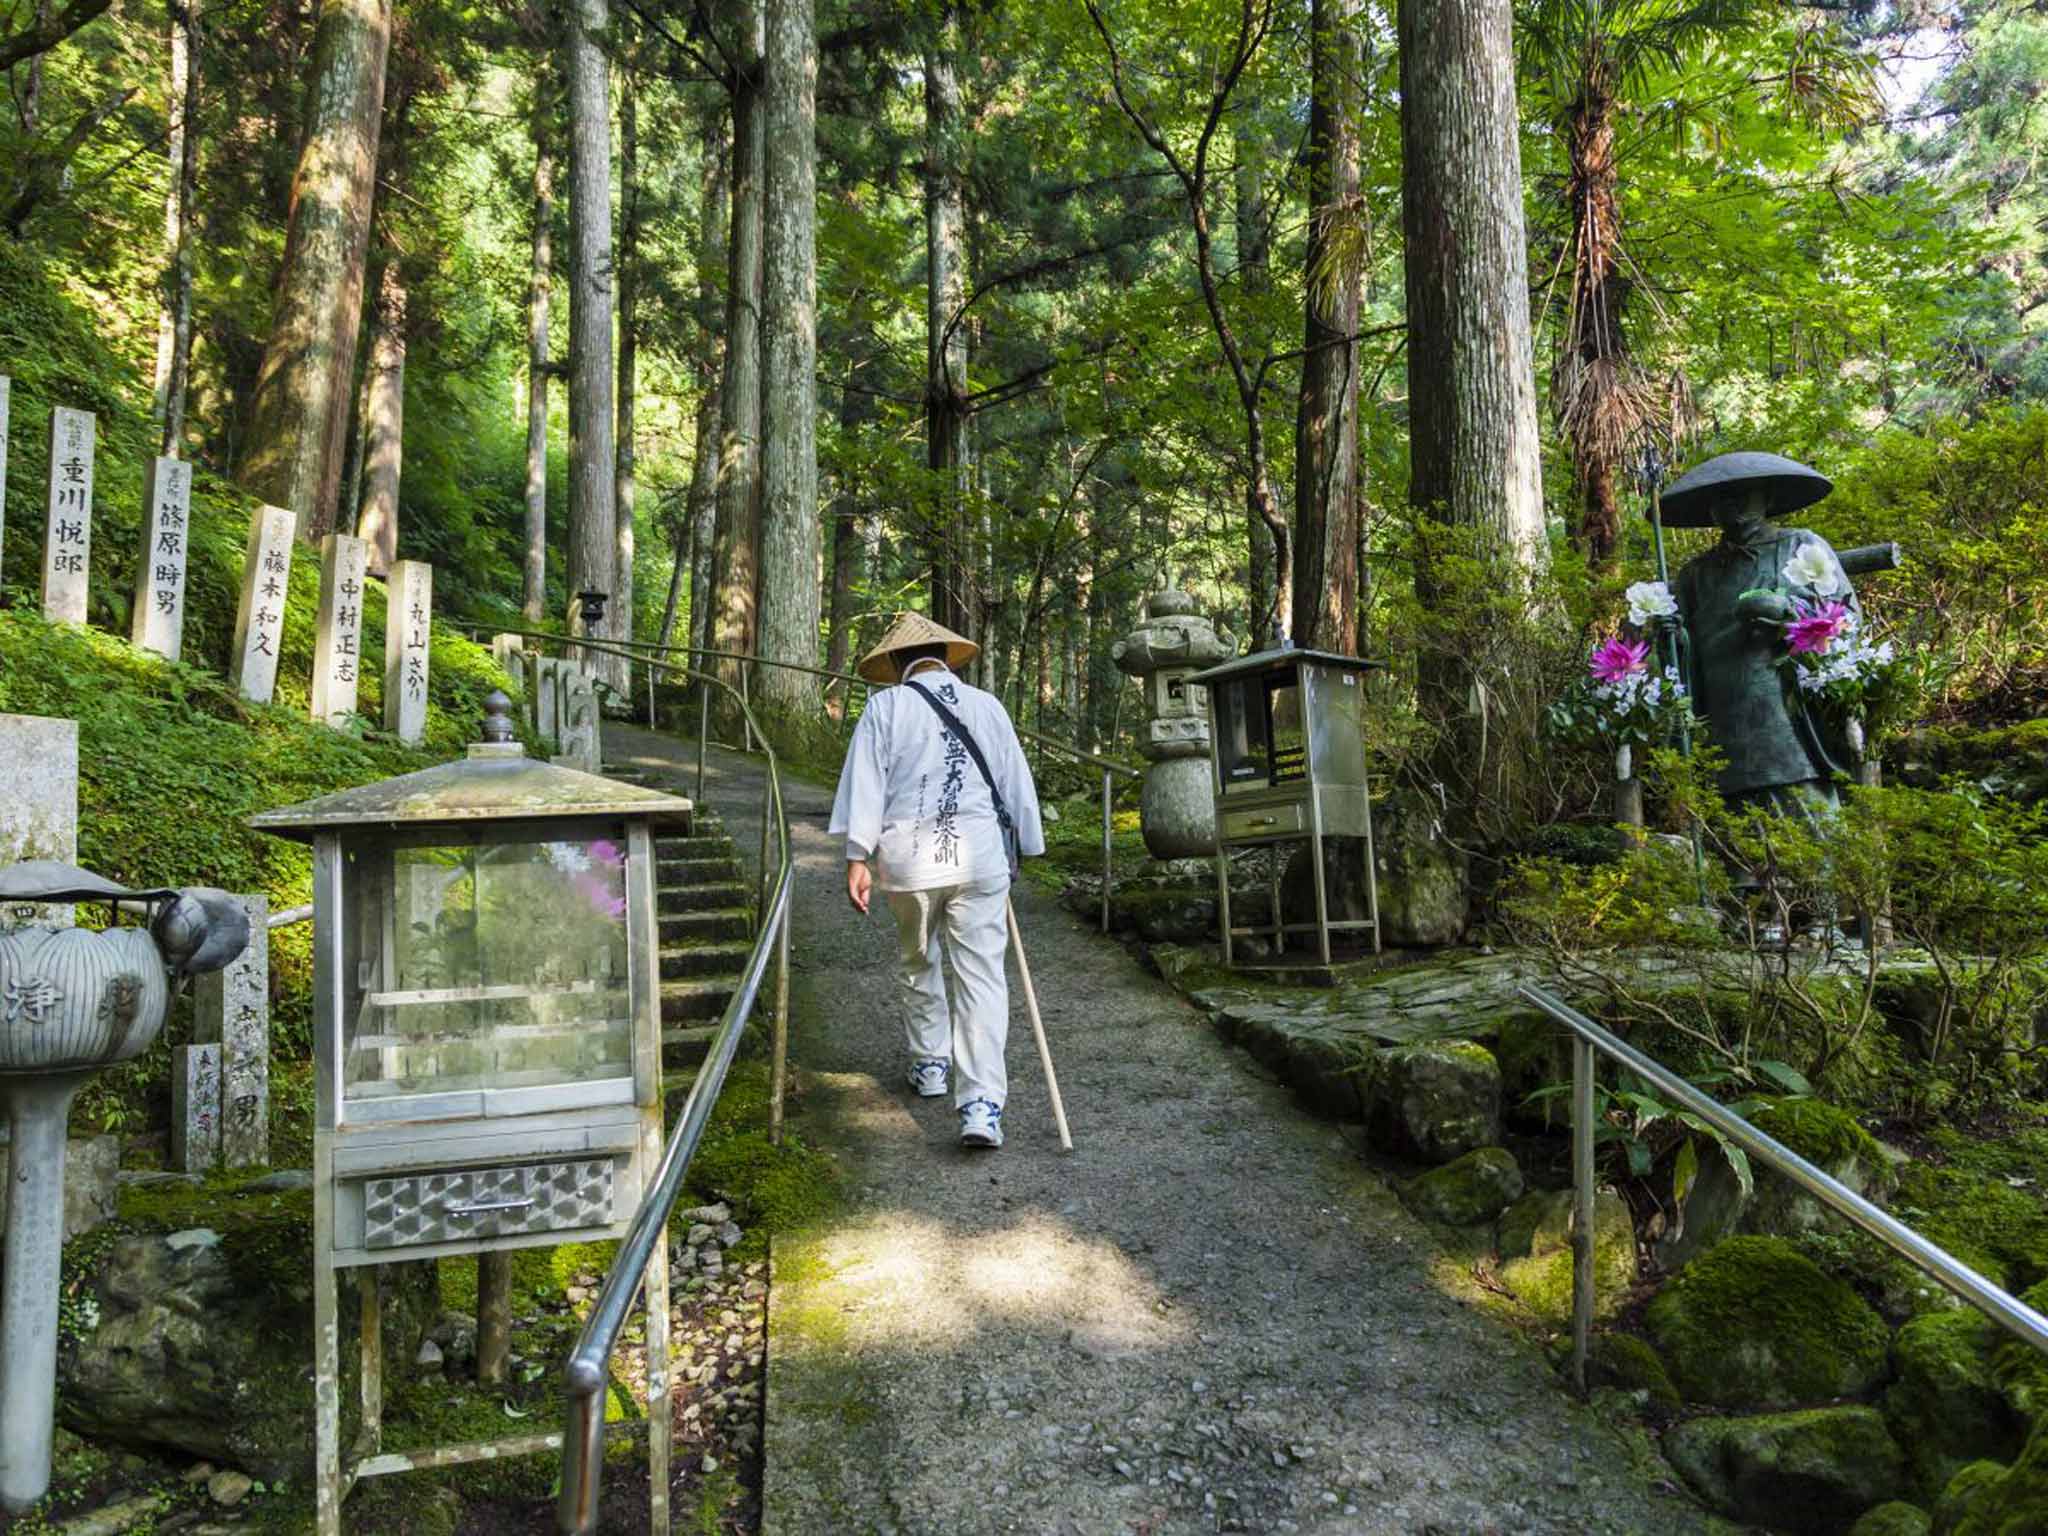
789,357
1473,451
593,534
300,415
708,359
384,419
539,295
948,444
736,546
174,315
629,349
1326,419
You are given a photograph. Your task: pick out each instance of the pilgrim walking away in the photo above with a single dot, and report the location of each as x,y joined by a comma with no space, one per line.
936,803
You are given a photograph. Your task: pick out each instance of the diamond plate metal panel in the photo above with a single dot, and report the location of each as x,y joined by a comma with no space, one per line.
487,1202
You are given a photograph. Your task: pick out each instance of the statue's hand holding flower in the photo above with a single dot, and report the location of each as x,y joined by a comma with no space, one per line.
1650,602
1812,567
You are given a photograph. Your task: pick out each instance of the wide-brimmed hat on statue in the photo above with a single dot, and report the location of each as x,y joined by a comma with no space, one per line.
1787,485
910,630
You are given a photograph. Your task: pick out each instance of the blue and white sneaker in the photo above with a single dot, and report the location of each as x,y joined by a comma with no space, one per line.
981,1123
928,1076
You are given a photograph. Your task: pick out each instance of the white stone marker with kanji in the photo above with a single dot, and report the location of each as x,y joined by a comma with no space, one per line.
259,620
159,623
67,540
338,642
38,799
195,1107
408,636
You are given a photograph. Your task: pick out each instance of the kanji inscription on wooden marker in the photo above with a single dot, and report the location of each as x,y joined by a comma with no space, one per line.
259,621
67,539
159,622
338,642
408,621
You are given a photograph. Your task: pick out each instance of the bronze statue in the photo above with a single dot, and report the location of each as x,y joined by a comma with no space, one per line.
1735,603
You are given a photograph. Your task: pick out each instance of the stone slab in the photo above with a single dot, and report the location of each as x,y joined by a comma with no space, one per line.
576,719
507,650
545,685
67,538
231,1008
159,619
338,637
259,618
195,1107
92,1166
38,796
408,642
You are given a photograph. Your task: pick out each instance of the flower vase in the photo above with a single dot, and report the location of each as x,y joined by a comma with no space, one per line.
1853,731
1625,760
1628,789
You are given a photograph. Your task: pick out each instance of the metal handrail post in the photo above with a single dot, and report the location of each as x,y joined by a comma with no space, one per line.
650,695
750,708
1106,862
778,1070
1583,1230
703,732
2007,1310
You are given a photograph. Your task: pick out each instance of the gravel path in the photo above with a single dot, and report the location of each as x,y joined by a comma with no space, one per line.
1208,1317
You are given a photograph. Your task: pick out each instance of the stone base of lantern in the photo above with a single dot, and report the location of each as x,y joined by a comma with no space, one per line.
1177,809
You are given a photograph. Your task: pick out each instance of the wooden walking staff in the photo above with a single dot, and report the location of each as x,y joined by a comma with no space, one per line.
1052,1082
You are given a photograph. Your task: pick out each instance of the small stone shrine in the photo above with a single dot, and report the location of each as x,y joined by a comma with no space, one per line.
159,618
1172,642
259,620
67,542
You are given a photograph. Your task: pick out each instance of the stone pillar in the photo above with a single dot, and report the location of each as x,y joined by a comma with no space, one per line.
259,620
195,1107
6,395
576,719
338,639
231,1012
1176,805
507,651
547,697
38,798
67,542
408,614
159,621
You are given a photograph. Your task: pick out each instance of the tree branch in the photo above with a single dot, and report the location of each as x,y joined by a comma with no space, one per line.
41,37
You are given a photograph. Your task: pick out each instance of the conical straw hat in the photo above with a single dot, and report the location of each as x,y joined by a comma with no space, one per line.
911,629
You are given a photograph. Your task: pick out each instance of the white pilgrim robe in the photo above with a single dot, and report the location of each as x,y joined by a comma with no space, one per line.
911,799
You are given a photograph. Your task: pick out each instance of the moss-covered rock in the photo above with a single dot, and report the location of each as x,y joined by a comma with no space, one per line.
1965,1491
1436,1101
1627,1364
1946,1408
193,1327
1982,1203
1815,1471
1830,1139
1753,1322
1475,1188
1536,1253
2013,1502
1896,1518
1424,880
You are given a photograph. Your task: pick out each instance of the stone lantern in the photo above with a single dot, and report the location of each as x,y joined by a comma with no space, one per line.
72,1001
1171,643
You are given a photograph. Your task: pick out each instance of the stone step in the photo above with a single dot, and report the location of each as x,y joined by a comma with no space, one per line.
688,1002
684,961
698,870
709,925
702,845
673,900
685,1048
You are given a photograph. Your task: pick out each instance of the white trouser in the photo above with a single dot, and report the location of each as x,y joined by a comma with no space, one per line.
962,930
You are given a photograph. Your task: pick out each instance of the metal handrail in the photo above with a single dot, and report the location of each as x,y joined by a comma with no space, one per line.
2008,1311
584,1376
1108,766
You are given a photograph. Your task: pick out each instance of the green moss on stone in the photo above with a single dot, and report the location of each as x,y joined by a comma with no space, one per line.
1965,1491
1945,1407
1754,1322
1475,1188
1897,1518
1970,1204
1823,1134
1814,1470
1626,1363
2015,1502
1536,1254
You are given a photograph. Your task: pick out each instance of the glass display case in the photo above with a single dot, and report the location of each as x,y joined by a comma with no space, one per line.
478,972
1287,751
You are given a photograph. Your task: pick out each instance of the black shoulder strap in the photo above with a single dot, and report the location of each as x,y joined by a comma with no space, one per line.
973,750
